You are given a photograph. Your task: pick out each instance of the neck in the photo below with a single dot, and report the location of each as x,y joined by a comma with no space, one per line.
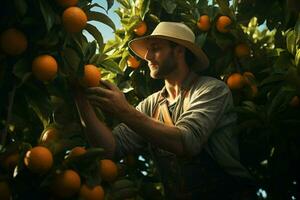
173,82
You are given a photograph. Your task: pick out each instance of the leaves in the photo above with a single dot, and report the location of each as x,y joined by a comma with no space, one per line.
95,33
100,17
169,5
144,8
112,66
48,14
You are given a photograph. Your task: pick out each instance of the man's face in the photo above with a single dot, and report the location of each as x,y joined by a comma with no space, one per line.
161,58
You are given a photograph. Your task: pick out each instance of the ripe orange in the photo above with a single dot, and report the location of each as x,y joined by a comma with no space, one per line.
67,3
44,67
4,191
222,23
295,102
133,62
242,50
74,19
235,81
203,23
13,42
249,78
11,161
140,29
77,151
91,76
38,159
49,135
66,184
108,170
89,193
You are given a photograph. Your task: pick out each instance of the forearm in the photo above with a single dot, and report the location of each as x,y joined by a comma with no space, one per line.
164,136
97,133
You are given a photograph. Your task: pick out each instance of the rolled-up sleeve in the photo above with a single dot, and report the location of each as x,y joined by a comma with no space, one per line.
207,106
128,141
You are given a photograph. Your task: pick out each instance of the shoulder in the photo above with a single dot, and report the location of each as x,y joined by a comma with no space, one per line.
208,83
146,106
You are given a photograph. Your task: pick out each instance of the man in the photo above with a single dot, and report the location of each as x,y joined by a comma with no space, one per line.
188,124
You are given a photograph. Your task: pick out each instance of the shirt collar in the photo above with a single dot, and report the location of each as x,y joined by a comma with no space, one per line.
185,85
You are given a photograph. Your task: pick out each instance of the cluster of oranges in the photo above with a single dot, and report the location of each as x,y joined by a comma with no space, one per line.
140,29
66,183
222,24
14,42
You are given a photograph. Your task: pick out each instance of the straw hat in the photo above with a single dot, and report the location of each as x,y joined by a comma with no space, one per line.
176,32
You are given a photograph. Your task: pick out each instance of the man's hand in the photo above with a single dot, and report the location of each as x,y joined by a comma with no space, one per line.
110,99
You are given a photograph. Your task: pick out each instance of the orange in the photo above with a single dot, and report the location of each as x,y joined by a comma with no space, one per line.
235,81
140,29
67,3
4,191
249,78
66,184
242,50
133,62
295,102
11,161
203,23
44,67
38,160
49,135
92,76
77,151
13,42
91,193
222,24
74,19
108,170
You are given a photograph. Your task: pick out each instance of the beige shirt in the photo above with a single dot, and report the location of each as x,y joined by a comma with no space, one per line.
208,122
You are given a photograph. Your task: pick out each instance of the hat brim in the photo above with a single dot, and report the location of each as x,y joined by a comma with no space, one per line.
139,47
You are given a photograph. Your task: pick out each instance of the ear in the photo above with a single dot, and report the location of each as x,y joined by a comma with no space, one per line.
180,50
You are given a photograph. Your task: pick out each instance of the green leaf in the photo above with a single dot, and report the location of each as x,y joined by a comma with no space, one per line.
272,79
96,34
21,7
72,59
111,66
38,100
125,3
48,14
22,67
144,8
90,50
100,17
200,40
291,42
224,5
297,30
297,57
110,3
169,5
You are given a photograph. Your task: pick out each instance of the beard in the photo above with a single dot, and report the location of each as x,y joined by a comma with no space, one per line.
164,68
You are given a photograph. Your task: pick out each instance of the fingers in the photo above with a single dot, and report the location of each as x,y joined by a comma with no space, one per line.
109,85
99,91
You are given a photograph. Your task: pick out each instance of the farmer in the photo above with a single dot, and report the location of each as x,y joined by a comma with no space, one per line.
187,125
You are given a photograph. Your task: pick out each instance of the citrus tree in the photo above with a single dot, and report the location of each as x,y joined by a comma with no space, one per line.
44,57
